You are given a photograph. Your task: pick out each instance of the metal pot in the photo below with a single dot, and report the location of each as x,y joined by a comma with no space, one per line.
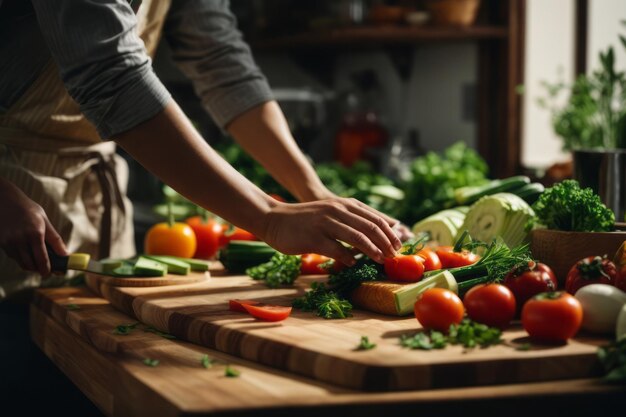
605,172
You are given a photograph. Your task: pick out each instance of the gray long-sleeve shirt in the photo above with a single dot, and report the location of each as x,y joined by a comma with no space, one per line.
104,65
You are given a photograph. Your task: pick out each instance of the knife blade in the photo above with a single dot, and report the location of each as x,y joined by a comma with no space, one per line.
75,261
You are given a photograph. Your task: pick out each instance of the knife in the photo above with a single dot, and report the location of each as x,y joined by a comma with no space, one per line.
76,261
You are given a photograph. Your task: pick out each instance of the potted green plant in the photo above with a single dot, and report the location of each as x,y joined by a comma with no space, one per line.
592,125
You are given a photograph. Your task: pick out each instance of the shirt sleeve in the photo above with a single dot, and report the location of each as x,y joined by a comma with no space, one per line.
210,51
102,61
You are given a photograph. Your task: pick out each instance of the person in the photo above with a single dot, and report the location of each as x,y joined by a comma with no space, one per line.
80,81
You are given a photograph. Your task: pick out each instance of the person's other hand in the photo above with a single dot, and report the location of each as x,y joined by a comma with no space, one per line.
318,227
401,230
24,230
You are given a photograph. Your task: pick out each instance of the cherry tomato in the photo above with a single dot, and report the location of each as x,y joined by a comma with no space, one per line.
268,312
278,198
490,304
238,305
590,270
431,259
404,268
175,240
438,308
311,264
208,234
234,233
529,280
451,259
552,316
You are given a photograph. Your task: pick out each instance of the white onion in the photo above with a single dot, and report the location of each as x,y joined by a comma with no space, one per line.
601,305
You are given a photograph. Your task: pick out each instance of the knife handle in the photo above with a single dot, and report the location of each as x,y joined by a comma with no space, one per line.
60,263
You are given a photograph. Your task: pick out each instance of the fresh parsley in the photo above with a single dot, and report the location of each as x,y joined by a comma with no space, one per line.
125,329
468,333
365,344
324,301
280,270
72,306
613,359
151,362
207,361
231,372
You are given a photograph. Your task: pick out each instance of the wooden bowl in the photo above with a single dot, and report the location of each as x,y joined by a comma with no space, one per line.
453,12
561,250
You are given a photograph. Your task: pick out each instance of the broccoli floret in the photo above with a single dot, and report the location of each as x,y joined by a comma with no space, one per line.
566,206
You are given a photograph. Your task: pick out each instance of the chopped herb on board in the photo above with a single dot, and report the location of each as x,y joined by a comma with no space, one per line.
72,306
207,361
468,333
613,359
151,362
231,372
365,344
125,329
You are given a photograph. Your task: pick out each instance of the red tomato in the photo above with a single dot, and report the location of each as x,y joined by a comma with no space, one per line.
431,259
235,233
404,268
590,270
268,312
208,235
438,308
451,259
530,280
311,264
552,316
490,304
238,305
278,198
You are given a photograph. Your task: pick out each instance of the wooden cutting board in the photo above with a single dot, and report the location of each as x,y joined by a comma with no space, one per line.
94,281
324,349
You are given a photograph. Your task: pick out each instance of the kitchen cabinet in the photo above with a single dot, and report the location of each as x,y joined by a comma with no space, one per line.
498,33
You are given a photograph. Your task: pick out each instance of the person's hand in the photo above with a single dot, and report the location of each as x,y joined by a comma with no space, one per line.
24,230
319,226
400,229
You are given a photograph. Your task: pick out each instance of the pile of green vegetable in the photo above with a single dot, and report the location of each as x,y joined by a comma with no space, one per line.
566,206
152,266
468,333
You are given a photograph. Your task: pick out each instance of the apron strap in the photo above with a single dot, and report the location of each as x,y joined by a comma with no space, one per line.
109,185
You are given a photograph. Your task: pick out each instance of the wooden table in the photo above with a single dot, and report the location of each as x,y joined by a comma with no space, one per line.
109,370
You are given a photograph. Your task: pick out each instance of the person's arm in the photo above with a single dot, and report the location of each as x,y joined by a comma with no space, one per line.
104,67
264,133
25,229
208,48
169,146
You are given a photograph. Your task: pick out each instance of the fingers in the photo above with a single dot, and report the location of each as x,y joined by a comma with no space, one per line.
54,239
389,220
369,233
378,225
25,258
356,238
40,255
337,251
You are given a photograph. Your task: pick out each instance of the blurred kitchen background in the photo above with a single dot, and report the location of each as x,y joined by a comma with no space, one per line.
380,83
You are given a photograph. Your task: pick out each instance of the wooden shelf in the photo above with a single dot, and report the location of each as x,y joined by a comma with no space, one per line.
377,35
